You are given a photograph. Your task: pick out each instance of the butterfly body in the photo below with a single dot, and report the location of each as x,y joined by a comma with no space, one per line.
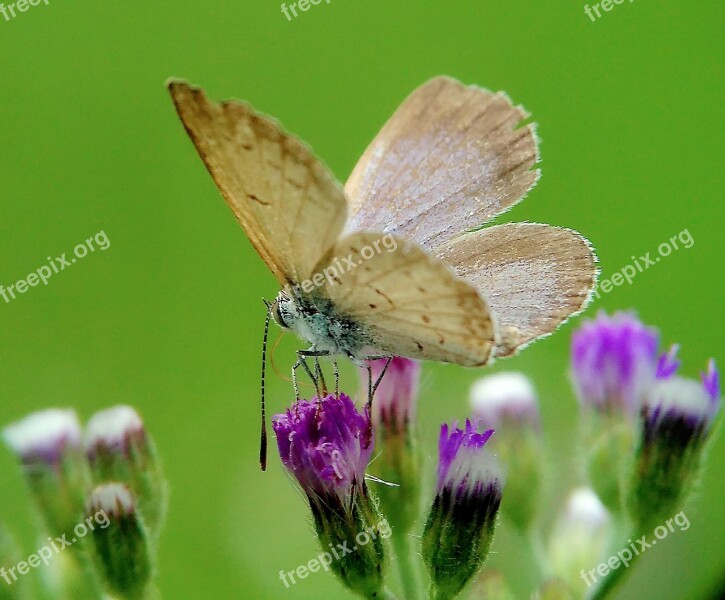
315,320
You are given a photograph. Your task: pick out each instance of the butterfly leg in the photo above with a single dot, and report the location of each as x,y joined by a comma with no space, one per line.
363,362
301,362
336,371
320,376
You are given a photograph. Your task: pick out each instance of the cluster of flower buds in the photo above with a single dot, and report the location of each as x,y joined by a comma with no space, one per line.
327,444
644,430
645,427
101,498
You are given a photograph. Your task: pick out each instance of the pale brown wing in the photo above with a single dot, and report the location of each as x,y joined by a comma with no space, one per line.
287,201
408,302
448,160
533,277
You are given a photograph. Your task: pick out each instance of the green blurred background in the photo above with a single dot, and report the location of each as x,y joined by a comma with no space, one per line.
170,317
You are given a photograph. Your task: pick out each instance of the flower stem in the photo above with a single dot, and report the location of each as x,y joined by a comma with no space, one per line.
615,576
606,586
408,575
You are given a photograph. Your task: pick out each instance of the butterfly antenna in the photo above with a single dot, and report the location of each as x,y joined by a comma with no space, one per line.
263,435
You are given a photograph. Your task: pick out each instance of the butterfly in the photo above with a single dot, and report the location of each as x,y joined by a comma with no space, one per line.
451,158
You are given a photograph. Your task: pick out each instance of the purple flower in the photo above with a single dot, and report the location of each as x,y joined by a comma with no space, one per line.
460,525
464,468
614,361
682,406
677,421
395,399
711,383
668,363
326,444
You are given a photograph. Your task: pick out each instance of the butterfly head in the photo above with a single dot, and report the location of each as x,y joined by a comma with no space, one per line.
284,310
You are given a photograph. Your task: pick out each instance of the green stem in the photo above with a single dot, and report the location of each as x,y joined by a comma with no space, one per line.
615,576
408,574
609,583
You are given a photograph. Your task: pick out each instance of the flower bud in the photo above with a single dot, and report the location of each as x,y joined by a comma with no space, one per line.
507,402
393,415
461,523
614,362
119,449
121,548
677,421
579,539
48,444
326,444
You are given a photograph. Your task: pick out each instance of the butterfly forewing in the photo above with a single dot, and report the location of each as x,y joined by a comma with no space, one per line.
448,160
533,276
287,201
408,302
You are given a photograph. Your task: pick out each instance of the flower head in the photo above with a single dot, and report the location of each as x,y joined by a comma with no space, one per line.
507,401
113,430
121,547
326,444
48,444
464,469
399,462
505,398
395,399
44,436
580,537
119,449
677,421
461,522
614,360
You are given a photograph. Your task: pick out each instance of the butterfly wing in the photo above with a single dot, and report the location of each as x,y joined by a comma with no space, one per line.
287,201
408,302
533,277
448,160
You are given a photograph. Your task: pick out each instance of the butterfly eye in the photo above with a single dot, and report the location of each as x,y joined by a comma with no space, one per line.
277,315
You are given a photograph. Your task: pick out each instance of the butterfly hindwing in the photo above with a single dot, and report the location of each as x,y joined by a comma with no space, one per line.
288,203
533,277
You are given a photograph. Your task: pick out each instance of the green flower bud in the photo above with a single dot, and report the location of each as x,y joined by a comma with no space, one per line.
579,539
461,523
48,444
677,422
119,449
507,403
121,549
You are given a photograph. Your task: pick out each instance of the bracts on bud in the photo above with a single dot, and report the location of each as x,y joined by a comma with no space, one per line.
326,445
461,522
